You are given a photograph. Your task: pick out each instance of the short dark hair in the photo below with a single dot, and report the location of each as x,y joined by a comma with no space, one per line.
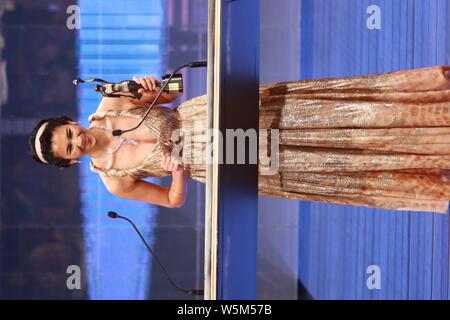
46,142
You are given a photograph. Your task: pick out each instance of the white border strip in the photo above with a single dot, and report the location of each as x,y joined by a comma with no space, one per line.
212,170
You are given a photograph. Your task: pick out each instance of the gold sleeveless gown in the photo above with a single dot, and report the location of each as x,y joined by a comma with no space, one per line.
380,141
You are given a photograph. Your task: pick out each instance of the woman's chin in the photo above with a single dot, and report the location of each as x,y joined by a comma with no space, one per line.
88,143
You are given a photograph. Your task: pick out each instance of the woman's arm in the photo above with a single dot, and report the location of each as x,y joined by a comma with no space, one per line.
177,191
147,192
173,197
149,93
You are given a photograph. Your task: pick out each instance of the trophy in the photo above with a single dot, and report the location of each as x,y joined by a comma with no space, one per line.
130,88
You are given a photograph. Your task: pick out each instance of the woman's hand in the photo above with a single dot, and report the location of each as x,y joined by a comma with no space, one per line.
148,82
149,91
169,163
177,191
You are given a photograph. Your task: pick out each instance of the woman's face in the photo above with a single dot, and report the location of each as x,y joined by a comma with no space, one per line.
71,142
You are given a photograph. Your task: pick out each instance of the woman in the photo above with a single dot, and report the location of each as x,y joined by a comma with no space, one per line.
381,141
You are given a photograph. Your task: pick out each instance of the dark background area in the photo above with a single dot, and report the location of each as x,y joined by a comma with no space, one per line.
41,228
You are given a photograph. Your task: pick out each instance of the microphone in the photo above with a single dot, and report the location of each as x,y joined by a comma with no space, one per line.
192,292
196,64
112,214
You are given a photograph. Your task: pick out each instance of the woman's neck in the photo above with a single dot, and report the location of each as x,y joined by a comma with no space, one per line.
102,142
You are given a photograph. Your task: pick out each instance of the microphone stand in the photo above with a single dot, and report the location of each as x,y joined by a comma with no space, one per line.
193,292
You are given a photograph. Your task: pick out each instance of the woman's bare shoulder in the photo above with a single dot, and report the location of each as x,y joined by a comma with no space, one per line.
118,184
113,183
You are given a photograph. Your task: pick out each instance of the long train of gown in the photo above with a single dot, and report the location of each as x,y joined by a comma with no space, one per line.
380,141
